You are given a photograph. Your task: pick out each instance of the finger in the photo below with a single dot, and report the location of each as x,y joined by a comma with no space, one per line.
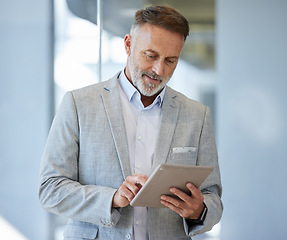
192,202
122,197
170,205
195,192
182,195
125,192
180,207
139,179
174,206
135,182
131,186
176,203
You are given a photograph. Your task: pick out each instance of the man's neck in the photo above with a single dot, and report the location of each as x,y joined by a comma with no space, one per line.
146,101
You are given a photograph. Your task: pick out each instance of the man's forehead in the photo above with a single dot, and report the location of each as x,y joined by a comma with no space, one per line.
152,51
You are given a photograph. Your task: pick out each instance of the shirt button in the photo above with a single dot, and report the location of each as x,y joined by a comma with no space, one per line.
139,137
142,112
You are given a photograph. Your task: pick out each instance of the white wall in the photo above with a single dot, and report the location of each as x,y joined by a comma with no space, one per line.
25,112
251,117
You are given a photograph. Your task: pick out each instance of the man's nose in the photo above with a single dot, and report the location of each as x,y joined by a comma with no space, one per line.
158,67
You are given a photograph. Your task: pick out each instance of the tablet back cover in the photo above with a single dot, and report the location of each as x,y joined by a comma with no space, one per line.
166,176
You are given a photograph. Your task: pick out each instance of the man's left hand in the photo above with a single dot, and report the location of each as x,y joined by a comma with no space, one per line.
186,206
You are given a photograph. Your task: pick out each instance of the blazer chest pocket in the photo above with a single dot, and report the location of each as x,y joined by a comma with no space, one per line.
183,155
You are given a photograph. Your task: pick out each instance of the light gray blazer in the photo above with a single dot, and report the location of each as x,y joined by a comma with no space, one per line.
86,159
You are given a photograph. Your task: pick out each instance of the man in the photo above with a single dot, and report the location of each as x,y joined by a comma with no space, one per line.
106,139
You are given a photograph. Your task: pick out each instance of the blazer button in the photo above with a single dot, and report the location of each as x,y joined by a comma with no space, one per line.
129,236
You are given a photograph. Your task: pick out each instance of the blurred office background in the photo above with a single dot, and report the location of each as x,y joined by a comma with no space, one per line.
235,61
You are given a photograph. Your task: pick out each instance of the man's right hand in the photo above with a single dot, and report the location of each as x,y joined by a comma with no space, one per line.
127,191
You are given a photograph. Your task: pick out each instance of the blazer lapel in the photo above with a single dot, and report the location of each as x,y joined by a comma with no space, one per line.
113,107
170,111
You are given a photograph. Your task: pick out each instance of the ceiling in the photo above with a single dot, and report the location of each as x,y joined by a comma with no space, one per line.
118,17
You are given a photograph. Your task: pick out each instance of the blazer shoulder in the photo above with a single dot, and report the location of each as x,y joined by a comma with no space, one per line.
95,90
185,101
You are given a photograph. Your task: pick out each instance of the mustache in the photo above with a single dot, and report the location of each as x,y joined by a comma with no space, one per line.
153,75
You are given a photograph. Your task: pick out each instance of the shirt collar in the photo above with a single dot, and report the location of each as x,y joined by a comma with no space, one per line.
130,91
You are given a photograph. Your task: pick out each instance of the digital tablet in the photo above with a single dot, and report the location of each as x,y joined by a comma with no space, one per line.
166,176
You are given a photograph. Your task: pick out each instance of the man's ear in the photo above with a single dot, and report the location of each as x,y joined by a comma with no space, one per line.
128,44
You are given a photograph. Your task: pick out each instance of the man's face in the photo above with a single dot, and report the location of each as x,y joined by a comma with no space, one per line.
153,53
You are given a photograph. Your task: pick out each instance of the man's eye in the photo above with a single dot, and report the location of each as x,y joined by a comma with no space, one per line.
150,56
170,61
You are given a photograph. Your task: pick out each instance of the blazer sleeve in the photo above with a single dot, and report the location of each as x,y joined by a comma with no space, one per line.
60,191
211,188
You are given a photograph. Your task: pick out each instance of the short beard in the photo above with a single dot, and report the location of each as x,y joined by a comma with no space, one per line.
146,89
